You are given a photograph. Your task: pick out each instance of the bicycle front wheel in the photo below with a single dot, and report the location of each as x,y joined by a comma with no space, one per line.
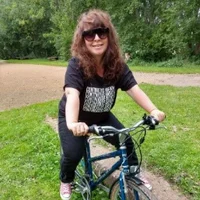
135,191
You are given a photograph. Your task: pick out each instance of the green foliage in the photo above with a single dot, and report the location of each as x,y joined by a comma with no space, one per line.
65,14
155,31
148,30
175,62
24,27
63,27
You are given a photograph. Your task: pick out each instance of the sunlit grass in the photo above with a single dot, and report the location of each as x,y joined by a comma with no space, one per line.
30,153
40,62
188,69
172,152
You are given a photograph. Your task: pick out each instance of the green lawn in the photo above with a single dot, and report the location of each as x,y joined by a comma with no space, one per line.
40,62
173,152
29,148
187,69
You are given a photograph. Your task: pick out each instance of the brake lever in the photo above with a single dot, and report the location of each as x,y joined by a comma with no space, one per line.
93,138
157,127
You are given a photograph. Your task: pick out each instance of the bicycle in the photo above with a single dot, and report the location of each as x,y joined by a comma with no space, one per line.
127,186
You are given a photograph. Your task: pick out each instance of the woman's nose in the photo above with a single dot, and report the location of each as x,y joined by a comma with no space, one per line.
97,37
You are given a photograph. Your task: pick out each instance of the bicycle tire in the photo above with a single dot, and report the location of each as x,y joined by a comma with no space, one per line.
142,193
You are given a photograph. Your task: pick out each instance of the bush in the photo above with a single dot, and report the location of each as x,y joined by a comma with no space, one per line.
175,62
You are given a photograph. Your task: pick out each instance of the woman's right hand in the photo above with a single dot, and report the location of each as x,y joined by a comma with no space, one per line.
78,128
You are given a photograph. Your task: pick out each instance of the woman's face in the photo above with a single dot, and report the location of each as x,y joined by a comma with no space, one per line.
96,41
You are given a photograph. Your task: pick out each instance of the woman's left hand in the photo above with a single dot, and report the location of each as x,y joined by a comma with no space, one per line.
159,115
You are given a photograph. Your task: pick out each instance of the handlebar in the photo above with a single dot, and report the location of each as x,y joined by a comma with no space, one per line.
148,120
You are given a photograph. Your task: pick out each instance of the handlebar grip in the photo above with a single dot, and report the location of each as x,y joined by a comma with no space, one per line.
93,129
154,121
150,121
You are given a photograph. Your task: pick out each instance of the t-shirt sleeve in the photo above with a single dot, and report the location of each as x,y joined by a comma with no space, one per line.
74,75
126,80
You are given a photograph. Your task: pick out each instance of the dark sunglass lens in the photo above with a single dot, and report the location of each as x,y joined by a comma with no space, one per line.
102,35
90,35
102,32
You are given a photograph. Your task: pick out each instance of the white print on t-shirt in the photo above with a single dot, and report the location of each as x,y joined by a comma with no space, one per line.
99,99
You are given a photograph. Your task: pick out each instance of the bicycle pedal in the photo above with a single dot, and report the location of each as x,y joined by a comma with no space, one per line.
73,186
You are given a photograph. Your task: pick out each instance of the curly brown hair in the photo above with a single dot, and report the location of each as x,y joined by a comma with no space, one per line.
112,60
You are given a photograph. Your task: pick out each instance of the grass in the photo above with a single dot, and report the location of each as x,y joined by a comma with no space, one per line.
187,68
173,152
29,153
29,148
40,62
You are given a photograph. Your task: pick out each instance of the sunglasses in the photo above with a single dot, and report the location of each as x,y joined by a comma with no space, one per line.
90,34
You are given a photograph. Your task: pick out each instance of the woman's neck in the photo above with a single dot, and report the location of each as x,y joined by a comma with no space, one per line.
99,67
100,70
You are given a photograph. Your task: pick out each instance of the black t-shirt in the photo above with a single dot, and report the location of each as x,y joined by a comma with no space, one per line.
97,96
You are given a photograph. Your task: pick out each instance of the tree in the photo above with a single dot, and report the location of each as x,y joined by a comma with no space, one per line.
64,17
148,29
24,26
154,30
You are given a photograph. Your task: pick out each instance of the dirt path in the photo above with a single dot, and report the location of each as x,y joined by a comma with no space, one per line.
22,85
161,188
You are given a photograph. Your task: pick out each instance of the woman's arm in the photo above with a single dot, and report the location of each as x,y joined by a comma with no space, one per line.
72,113
144,101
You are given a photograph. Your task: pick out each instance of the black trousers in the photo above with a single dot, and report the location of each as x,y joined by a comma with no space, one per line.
73,147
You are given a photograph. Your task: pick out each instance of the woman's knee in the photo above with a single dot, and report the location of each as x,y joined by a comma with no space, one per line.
73,150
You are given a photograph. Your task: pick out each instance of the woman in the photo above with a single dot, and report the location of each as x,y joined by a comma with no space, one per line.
92,79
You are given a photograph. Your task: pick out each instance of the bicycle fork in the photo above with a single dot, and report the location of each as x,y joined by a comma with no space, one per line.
125,171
